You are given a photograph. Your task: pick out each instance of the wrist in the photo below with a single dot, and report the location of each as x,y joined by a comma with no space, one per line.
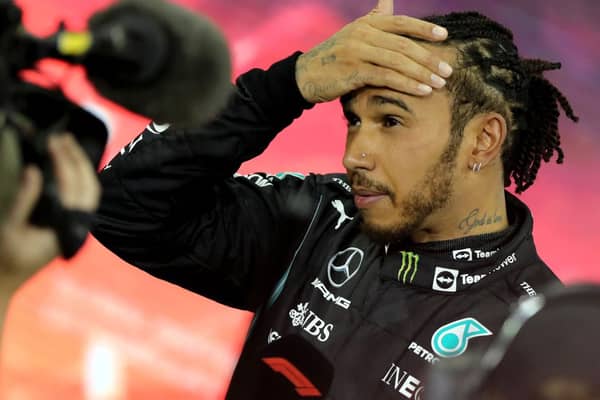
276,91
300,75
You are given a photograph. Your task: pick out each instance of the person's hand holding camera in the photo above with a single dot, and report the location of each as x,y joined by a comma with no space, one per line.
24,248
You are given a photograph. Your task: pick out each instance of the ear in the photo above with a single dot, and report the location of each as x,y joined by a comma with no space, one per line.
489,132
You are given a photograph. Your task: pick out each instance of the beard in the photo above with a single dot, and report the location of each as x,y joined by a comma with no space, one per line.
431,194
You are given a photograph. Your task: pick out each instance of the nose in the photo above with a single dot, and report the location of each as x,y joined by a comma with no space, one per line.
360,151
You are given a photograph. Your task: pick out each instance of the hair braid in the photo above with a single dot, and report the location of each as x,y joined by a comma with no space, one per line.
491,77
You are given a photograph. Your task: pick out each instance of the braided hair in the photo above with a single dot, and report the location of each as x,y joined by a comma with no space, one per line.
490,76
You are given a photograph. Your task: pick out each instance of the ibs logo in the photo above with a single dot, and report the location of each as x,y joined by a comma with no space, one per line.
409,267
444,279
310,322
451,340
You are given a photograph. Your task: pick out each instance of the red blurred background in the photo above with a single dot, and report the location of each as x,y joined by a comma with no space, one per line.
96,328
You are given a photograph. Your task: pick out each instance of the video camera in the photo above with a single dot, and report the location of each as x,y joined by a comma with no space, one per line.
31,113
142,54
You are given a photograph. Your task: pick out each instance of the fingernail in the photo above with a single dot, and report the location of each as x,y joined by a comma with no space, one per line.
445,69
439,32
437,81
424,89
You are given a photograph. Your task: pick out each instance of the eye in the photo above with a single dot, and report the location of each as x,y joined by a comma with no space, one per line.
351,120
390,121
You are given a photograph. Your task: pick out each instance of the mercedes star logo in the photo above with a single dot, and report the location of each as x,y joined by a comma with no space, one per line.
344,265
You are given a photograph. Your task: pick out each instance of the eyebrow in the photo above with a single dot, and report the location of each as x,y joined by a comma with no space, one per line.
381,100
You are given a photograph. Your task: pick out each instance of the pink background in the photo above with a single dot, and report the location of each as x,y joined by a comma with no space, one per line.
96,328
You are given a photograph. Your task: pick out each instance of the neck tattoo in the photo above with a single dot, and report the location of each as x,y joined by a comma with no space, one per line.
476,218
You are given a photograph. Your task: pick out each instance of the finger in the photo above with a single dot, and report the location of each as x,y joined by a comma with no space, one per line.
404,25
374,75
404,65
383,7
78,185
65,170
87,176
27,196
411,49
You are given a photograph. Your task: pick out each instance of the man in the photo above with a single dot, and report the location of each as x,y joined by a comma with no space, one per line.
25,248
412,256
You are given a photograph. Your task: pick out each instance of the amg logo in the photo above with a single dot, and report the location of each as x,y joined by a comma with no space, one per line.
403,382
327,295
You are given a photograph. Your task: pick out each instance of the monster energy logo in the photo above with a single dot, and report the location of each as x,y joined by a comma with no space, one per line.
410,265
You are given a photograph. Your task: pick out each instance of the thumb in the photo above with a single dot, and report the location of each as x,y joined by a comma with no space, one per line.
383,7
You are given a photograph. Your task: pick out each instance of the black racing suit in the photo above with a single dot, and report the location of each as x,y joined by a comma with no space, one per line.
290,249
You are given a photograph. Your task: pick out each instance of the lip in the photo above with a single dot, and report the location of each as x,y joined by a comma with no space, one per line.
364,198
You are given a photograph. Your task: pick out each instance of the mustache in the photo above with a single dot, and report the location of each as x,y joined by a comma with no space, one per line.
359,178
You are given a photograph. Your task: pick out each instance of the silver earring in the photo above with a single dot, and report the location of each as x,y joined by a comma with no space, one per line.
476,167
363,155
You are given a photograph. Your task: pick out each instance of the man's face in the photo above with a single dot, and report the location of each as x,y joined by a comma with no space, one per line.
400,159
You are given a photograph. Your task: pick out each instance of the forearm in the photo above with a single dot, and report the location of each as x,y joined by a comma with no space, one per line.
172,206
154,170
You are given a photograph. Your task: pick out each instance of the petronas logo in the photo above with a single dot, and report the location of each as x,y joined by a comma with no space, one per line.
409,267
